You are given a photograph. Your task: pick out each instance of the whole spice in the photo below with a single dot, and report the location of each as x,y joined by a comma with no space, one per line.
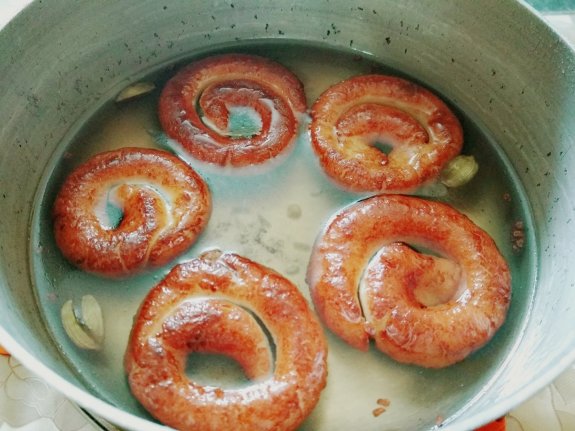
459,171
135,90
85,326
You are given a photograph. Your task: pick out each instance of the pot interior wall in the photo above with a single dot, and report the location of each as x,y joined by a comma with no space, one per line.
494,60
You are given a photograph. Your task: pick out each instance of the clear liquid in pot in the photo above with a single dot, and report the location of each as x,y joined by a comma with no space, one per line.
274,218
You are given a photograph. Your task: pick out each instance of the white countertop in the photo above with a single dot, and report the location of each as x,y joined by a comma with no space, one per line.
27,403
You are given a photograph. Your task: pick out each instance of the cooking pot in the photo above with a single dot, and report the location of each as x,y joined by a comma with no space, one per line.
496,61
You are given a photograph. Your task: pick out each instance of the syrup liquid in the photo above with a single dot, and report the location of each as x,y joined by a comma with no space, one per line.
273,217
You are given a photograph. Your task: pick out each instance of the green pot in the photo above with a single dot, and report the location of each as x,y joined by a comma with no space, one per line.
495,60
